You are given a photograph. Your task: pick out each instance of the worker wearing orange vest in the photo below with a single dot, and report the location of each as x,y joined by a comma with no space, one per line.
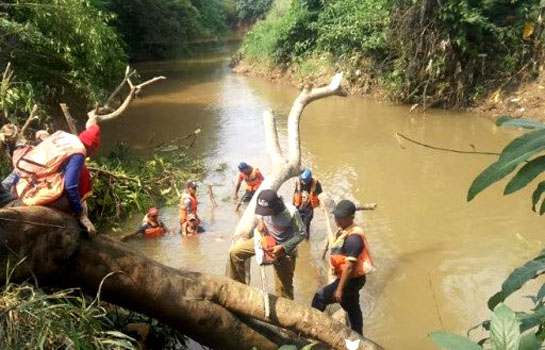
53,173
253,178
351,261
152,226
188,209
305,196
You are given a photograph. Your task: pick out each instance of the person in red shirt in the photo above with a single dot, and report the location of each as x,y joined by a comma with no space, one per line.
253,178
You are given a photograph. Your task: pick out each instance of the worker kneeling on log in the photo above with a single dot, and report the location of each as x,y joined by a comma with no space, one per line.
253,179
189,220
305,196
53,173
152,226
351,261
282,229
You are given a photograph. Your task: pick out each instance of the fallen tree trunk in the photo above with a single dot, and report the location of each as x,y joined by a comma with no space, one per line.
207,308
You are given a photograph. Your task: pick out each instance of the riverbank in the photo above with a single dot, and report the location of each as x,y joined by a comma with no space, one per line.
525,100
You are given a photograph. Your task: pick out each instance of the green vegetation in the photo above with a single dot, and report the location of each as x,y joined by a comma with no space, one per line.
32,319
444,54
62,50
159,28
251,10
507,329
125,184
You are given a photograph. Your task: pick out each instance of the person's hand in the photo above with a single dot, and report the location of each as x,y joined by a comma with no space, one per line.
338,295
276,251
84,220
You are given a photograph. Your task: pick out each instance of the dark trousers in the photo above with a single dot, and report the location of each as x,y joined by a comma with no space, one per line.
350,300
247,196
307,213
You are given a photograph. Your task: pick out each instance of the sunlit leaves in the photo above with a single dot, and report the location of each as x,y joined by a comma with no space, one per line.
516,152
504,329
518,278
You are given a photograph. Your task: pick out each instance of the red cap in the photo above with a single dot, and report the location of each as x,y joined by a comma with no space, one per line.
91,137
153,211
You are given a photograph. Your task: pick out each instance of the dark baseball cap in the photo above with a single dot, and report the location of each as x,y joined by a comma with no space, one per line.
344,209
191,184
267,203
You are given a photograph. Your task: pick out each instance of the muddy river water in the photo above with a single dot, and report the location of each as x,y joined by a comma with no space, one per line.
439,258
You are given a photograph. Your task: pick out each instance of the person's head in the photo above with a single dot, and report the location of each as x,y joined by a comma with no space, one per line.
269,203
90,138
344,213
153,213
41,135
244,168
192,220
305,176
191,187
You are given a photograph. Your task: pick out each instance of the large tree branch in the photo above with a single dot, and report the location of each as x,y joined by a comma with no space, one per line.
30,119
69,119
94,116
271,138
306,96
203,307
128,74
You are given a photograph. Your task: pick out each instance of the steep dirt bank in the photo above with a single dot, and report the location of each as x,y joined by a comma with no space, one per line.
525,101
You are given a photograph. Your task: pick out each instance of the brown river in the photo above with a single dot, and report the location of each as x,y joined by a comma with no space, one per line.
438,257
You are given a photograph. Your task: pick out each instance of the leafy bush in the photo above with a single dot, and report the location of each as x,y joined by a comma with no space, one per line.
124,184
251,10
60,49
345,26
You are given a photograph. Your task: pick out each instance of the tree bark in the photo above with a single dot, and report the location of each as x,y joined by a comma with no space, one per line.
57,252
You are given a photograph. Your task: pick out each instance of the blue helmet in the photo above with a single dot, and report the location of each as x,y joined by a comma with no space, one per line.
243,166
306,175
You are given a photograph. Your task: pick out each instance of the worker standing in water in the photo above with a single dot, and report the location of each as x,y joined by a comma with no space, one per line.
305,196
189,219
152,226
351,261
282,229
253,179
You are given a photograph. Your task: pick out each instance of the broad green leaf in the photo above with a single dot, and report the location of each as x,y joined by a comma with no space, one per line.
451,341
518,278
529,341
542,208
525,175
541,293
519,150
530,320
506,120
537,194
504,329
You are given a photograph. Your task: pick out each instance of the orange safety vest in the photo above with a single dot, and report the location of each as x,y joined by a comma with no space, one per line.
298,195
253,180
39,168
364,263
156,229
183,213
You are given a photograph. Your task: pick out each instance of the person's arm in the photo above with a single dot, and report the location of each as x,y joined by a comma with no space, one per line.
187,206
318,189
140,230
237,187
345,276
353,246
72,175
299,234
260,176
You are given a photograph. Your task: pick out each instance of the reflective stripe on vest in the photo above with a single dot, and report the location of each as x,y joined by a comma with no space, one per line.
298,195
183,213
364,262
39,168
253,181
